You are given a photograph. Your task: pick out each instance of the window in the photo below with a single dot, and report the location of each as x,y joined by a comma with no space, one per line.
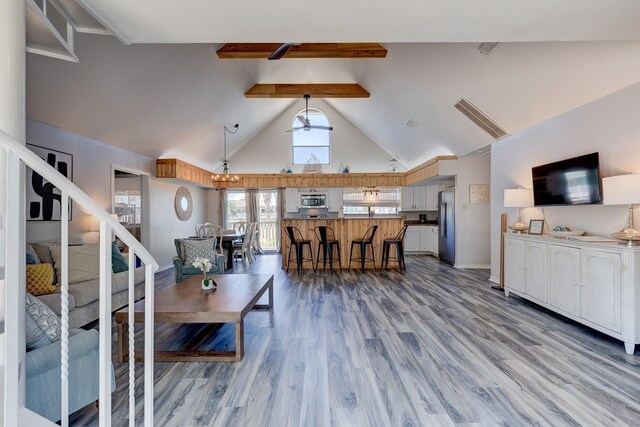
376,201
309,145
235,208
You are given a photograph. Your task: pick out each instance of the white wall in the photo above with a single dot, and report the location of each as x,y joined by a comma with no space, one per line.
92,169
471,219
270,150
165,225
610,126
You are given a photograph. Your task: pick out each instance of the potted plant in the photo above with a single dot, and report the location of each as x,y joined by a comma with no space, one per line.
204,265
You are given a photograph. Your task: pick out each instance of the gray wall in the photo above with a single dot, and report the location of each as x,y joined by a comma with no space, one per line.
92,168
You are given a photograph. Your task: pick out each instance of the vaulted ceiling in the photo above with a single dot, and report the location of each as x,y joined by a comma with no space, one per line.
171,100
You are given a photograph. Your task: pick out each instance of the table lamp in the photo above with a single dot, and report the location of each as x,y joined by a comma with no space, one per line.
518,198
623,190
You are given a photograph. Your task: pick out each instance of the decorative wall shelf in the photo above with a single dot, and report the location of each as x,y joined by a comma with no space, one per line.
184,172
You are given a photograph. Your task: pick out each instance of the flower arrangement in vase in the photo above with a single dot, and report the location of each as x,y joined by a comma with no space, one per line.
204,265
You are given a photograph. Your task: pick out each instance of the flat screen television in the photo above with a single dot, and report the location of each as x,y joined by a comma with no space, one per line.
568,182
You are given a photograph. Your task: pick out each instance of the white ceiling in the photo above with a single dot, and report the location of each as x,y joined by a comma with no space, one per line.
171,100
206,21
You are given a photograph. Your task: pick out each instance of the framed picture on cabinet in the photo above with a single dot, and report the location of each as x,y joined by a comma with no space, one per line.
536,226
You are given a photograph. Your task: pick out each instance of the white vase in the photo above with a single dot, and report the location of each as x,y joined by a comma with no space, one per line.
207,283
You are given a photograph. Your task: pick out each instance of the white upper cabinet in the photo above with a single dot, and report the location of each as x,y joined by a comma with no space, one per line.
407,199
292,199
419,198
335,199
432,197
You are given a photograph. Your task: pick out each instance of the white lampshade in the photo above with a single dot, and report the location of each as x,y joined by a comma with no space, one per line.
621,189
518,198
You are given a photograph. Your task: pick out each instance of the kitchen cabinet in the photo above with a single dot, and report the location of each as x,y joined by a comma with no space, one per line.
334,198
292,199
412,240
432,197
594,283
420,198
414,199
421,238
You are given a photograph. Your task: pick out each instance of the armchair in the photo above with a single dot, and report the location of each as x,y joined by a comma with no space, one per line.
183,270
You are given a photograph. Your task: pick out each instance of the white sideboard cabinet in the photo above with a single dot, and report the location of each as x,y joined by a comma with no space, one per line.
596,284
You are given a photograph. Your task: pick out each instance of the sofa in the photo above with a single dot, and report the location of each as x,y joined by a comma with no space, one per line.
84,296
183,271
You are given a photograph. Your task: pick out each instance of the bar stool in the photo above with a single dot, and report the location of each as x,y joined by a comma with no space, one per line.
327,240
295,236
386,250
367,240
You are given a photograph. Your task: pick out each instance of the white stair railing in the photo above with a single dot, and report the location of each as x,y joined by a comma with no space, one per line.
15,411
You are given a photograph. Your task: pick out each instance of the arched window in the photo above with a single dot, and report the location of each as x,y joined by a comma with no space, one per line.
313,142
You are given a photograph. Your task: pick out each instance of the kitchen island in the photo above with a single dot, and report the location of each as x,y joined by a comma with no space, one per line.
346,229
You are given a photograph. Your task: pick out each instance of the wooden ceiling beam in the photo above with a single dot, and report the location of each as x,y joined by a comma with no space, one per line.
291,90
305,50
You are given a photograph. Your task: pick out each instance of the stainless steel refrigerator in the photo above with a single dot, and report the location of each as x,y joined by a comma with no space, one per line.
446,226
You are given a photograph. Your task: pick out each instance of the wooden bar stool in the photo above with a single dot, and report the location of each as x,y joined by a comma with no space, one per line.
297,241
366,241
398,242
326,241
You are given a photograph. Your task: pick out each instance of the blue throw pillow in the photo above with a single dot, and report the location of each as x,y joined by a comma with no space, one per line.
31,259
118,263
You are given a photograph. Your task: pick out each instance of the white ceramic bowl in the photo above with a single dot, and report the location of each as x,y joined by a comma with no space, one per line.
566,234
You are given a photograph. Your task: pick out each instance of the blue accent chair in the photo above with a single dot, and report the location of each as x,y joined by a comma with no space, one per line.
183,271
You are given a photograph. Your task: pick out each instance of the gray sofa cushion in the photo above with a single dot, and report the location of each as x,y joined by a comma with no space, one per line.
89,291
120,281
54,302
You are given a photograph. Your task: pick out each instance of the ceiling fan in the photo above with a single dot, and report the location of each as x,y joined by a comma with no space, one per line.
306,125
281,51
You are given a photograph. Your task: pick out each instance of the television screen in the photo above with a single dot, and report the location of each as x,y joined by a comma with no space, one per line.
573,181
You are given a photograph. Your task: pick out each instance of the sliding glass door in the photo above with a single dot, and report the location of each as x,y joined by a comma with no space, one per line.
268,219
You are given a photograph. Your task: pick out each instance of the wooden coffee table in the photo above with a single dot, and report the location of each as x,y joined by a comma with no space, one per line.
186,302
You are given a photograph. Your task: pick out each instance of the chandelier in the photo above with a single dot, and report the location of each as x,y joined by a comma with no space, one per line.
225,177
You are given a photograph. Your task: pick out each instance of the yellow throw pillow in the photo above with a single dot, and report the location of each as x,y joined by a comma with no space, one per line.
40,279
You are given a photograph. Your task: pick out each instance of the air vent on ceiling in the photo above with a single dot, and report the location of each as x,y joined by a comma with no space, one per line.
411,123
487,48
481,119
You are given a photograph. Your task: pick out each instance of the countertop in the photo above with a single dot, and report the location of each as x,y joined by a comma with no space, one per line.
348,218
415,222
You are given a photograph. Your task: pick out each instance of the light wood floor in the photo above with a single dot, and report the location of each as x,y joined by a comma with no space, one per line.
434,346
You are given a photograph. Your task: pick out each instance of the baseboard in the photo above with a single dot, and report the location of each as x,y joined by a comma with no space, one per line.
480,266
494,280
163,268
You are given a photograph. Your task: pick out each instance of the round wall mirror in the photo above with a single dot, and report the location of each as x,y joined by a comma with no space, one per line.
183,204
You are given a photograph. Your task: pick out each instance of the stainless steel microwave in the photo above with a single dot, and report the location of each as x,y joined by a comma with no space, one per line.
313,200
